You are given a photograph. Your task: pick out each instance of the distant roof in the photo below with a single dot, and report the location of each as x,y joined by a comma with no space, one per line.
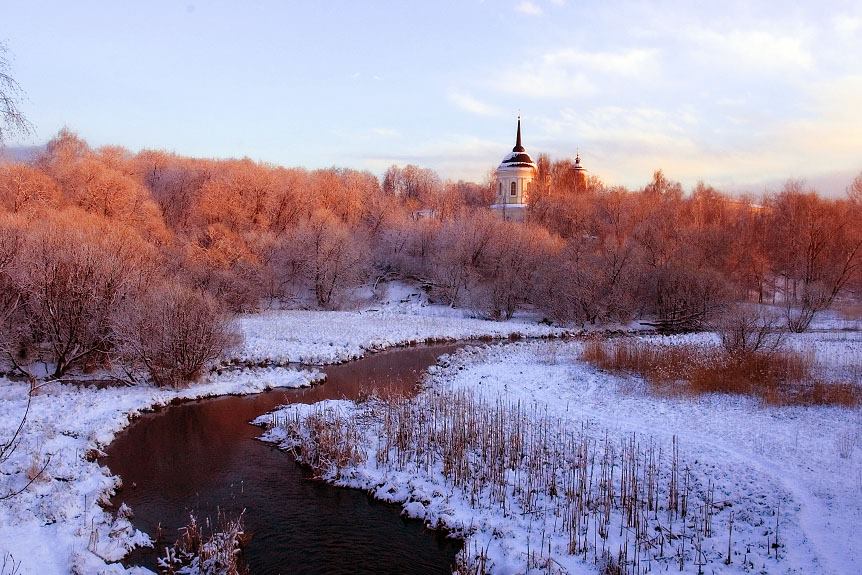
578,166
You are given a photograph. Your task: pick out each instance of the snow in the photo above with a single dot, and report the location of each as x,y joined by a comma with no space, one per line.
56,525
403,316
798,466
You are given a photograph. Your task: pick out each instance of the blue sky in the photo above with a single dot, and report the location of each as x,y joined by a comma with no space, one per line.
739,94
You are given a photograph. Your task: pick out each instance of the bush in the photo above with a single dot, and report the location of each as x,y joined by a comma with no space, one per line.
174,332
749,329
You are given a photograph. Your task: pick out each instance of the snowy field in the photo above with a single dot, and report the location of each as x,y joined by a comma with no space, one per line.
796,471
56,524
402,316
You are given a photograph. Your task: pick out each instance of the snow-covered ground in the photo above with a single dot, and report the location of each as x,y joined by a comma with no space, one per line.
402,316
797,468
56,524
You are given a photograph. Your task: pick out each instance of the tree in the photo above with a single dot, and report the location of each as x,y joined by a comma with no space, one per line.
77,271
11,296
174,332
459,251
854,190
508,273
331,256
25,189
815,246
12,120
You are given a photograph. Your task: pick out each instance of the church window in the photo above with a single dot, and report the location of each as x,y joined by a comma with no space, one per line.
514,185
501,189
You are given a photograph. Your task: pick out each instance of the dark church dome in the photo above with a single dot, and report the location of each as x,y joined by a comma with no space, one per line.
519,156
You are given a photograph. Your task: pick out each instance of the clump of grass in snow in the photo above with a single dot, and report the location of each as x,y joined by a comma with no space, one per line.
778,377
206,549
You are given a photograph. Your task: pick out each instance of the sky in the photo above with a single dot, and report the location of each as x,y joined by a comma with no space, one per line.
741,95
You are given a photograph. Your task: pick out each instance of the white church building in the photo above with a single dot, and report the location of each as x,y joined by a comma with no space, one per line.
513,181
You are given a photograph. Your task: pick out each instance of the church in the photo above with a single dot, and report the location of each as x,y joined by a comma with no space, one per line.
514,179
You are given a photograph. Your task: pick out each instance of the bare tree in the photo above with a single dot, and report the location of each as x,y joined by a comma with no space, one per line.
174,332
75,273
11,296
509,271
854,190
330,256
746,328
816,249
12,120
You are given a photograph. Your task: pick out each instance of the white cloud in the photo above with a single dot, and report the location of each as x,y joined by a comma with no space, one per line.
624,144
470,104
457,156
386,132
572,73
527,7
754,49
846,24
628,63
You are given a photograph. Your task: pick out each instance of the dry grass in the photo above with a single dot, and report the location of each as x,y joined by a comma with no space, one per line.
206,549
625,502
326,441
778,377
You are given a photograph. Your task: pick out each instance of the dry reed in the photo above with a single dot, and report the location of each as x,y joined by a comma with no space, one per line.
777,377
207,549
623,503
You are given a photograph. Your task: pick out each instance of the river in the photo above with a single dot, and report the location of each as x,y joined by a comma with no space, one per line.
203,456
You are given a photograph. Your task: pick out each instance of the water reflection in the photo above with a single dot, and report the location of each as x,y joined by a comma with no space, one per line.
202,455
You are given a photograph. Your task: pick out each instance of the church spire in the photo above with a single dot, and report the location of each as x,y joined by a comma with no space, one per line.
518,147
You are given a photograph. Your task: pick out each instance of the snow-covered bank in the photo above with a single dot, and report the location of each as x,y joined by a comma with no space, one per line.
795,468
321,337
56,525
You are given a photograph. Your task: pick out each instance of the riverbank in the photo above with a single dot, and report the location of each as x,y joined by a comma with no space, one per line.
56,524
788,479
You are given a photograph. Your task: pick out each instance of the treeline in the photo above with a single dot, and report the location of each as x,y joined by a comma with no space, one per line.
109,258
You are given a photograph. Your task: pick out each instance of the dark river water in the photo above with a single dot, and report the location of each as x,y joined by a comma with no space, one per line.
202,456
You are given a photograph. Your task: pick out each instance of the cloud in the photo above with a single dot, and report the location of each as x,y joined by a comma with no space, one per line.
754,49
846,24
527,7
828,139
624,144
386,132
574,73
470,104
457,156
628,63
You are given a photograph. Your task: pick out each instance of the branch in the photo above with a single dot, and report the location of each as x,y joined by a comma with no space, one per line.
29,483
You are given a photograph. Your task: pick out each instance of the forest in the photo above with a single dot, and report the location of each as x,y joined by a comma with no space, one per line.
136,261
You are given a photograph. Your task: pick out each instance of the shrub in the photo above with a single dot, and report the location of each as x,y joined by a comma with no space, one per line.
749,329
174,332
